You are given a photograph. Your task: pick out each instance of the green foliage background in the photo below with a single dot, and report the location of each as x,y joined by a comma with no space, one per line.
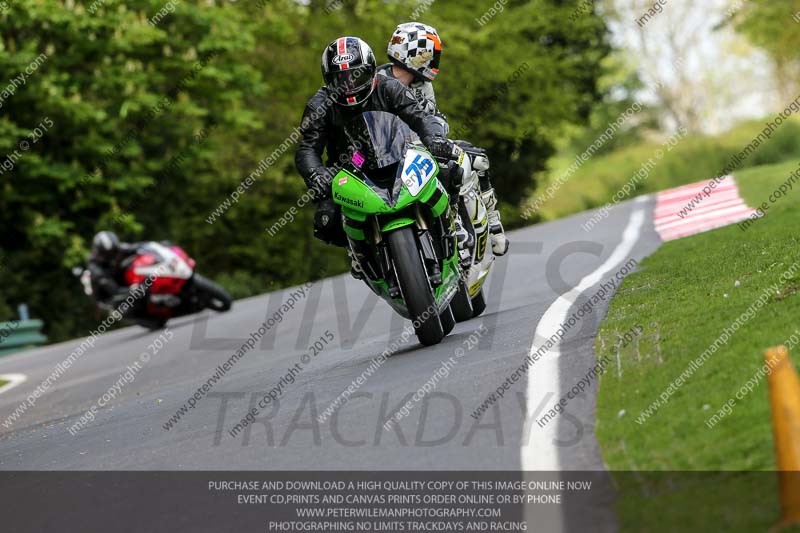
194,103
772,26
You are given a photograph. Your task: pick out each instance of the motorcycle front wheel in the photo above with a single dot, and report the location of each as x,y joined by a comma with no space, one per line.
414,285
212,295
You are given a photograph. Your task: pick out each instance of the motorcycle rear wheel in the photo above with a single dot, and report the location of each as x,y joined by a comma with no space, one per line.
462,303
478,303
414,285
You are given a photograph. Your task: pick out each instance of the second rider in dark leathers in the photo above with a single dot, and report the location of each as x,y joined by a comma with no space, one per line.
351,88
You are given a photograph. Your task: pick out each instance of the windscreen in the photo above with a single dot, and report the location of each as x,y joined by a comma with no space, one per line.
378,139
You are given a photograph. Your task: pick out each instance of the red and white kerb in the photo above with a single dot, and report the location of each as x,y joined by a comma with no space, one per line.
710,209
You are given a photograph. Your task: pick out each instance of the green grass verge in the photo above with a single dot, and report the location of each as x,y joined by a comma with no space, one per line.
685,295
693,158
2,382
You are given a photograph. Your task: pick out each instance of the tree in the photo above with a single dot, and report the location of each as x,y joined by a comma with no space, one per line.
98,121
774,26
514,83
695,77
149,117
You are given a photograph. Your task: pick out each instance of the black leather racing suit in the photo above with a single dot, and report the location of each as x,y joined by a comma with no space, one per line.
108,275
322,127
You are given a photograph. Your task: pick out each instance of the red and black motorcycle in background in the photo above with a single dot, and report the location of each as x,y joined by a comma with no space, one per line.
172,287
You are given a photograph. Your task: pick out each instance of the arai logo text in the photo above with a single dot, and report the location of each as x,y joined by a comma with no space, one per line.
342,58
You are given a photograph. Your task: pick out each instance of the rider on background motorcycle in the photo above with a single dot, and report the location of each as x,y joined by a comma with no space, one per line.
415,50
107,271
149,282
351,88
105,266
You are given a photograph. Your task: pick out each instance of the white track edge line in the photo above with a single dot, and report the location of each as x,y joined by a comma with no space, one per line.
537,450
13,381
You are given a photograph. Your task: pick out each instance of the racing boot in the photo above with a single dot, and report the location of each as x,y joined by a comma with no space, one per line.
499,239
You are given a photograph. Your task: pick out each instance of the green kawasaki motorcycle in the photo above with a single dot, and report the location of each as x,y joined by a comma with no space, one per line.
397,213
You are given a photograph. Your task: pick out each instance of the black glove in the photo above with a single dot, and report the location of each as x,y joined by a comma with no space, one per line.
452,177
320,182
444,148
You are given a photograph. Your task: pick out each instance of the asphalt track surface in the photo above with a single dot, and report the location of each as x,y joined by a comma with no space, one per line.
439,433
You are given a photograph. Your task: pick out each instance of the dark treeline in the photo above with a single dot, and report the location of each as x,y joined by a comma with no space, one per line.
145,116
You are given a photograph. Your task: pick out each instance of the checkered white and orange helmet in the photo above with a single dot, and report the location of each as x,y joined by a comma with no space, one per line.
417,48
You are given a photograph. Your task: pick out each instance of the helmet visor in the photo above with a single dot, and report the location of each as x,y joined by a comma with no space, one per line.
351,81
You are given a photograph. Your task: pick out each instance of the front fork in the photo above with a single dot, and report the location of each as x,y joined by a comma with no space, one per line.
377,266
380,267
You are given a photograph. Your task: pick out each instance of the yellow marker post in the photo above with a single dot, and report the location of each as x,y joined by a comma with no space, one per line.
784,399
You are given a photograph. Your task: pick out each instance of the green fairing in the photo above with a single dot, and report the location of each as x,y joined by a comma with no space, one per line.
359,201
449,279
442,293
441,205
356,198
397,224
354,233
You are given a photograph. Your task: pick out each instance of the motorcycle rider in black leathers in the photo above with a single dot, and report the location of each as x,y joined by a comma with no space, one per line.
107,269
351,88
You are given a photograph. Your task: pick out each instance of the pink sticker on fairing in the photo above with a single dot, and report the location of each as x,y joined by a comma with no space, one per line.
358,159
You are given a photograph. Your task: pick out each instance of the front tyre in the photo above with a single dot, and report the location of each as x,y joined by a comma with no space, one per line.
152,324
414,285
212,295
